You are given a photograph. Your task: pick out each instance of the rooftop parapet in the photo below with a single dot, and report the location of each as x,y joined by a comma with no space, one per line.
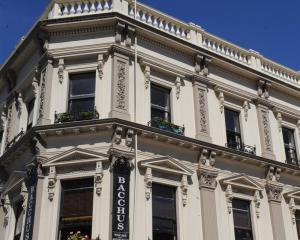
186,31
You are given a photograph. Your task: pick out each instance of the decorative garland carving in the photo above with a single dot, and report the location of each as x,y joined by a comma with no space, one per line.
121,85
43,91
184,190
148,183
35,83
257,203
24,194
147,76
61,70
266,130
51,182
221,101
178,85
246,110
98,178
9,116
100,66
229,197
202,110
292,207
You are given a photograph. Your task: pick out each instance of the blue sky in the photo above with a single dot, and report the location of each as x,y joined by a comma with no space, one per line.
271,27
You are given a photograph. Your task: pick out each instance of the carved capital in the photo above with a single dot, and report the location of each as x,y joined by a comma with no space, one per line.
207,177
274,191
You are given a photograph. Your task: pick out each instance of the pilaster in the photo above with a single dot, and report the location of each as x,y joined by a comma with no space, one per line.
207,175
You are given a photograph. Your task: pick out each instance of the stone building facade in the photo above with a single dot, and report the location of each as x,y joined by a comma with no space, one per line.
122,122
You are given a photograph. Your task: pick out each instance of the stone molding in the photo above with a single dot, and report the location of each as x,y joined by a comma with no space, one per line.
51,182
293,199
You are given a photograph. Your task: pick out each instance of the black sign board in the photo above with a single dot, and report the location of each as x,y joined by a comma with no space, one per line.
31,182
120,213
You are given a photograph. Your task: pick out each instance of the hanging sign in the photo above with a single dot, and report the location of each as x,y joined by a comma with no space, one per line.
120,213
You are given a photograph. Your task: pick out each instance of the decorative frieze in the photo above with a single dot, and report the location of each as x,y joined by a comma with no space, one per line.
98,178
201,111
51,182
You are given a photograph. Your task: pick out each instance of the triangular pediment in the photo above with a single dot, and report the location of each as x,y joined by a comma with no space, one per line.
76,155
14,179
167,164
293,194
242,181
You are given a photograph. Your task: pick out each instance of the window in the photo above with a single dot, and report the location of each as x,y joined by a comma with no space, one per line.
297,216
164,212
82,93
242,219
76,207
233,131
289,146
19,216
160,103
30,108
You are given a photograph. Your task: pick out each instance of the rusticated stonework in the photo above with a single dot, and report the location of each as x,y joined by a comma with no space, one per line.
121,87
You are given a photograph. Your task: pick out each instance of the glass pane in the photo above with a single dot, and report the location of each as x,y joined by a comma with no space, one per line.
164,212
160,113
81,105
76,207
232,121
83,83
288,136
160,96
242,234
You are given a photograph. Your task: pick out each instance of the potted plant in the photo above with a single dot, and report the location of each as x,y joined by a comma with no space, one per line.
77,236
87,115
66,117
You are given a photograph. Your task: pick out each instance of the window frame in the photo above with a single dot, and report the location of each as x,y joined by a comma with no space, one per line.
167,109
80,96
60,203
290,127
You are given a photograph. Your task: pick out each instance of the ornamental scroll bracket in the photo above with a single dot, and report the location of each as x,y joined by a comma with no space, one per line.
100,65
178,86
278,117
201,64
274,188
184,189
246,108
263,89
51,183
98,178
229,197
221,98
148,183
61,70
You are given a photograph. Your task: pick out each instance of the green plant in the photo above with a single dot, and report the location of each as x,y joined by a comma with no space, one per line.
77,236
87,115
66,117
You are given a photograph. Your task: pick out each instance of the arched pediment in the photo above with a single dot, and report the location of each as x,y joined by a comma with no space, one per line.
167,164
241,181
76,155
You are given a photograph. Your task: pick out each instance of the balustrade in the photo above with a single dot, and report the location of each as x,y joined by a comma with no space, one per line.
160,21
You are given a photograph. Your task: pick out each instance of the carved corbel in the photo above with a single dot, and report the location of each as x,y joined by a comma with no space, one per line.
129,36
24,194
184,190
260,87
267,90
273,174
129,137
221,99
147,73
246,109
257,203
292,207
61,69
201,64
51,182
178,85
117,137
19,102
98,178
148,183
198,60
203,157
120,27
279,119
100,64
229,197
